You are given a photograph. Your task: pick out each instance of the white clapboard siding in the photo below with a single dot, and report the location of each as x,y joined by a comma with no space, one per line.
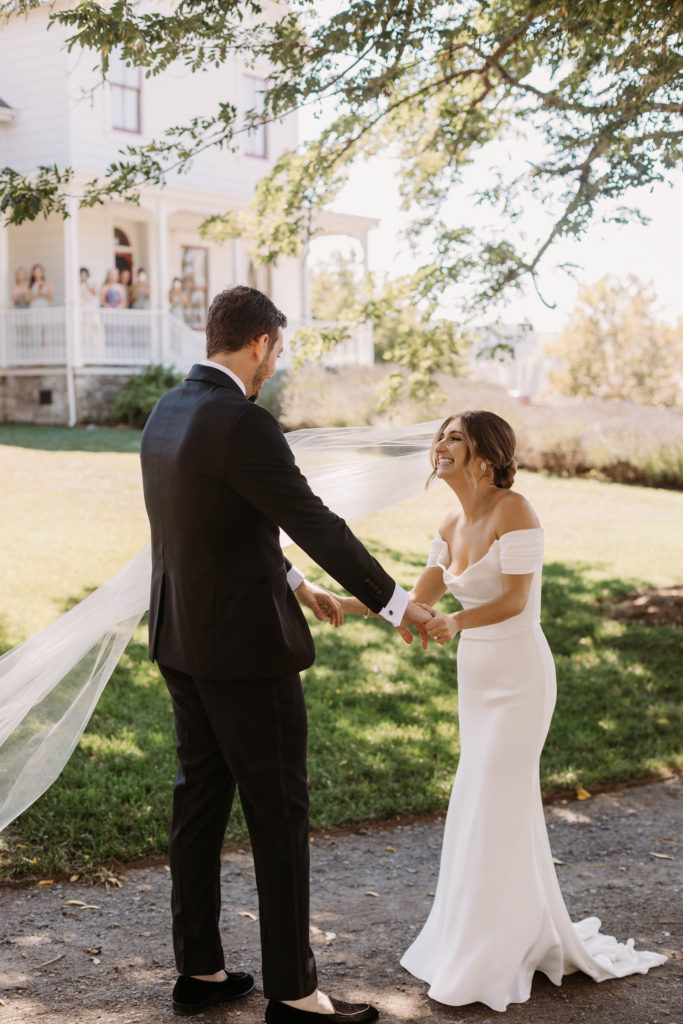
33,81
40,241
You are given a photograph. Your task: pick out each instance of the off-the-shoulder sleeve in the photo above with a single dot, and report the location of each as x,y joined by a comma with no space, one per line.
521,551
437,551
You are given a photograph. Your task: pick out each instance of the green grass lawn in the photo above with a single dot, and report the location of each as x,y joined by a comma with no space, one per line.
383,732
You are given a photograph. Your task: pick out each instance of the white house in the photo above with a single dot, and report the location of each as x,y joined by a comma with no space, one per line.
62,362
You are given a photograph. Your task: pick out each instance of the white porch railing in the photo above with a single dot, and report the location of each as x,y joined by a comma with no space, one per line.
118,337
184,347
132,338
35,337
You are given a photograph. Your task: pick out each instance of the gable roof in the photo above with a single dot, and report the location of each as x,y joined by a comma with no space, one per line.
7,113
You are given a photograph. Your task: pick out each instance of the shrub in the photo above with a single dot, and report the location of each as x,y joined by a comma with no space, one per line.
612,440
138,396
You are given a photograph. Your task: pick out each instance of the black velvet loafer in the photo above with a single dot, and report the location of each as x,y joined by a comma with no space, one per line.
344,1013
190,995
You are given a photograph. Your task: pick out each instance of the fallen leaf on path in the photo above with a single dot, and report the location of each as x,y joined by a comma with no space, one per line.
95,960
390,849
74,878
661,856
556,860
46,881
582,794
371,893
81,904
247,915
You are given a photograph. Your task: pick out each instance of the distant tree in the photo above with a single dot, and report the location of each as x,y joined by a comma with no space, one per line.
616,346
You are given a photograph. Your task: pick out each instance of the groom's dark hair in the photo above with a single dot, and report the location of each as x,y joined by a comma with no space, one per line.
237,316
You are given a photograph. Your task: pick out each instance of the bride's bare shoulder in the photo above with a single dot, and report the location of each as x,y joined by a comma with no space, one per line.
514,512
448,523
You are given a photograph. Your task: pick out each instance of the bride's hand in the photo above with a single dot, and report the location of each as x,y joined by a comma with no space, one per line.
442,628
352,606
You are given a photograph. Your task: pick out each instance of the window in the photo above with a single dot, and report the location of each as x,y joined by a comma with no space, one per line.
195,278
257,140
125,84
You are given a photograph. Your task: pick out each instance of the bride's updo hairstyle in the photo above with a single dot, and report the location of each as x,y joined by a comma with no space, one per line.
487,436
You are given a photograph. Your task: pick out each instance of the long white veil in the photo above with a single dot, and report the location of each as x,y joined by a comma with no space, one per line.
50,684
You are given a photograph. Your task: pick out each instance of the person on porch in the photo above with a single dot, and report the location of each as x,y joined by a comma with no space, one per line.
40,289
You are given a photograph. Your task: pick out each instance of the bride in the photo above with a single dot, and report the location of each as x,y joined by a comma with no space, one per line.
498,914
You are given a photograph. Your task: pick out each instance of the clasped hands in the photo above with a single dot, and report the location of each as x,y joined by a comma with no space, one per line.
427,622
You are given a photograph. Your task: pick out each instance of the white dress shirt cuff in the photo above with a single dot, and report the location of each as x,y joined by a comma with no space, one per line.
295,578
394,610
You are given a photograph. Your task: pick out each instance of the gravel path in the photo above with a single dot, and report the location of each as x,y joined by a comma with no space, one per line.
110,961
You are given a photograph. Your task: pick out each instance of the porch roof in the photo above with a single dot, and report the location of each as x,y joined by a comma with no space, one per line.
7,113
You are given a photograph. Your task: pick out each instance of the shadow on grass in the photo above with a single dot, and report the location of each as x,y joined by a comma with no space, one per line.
70,439
383,738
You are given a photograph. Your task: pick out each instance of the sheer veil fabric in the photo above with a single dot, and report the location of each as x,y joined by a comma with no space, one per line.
50,684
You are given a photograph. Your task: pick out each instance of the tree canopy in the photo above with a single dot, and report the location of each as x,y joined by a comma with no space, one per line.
571,106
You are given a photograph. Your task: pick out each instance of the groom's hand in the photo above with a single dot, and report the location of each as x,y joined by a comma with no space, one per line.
415,615
322,603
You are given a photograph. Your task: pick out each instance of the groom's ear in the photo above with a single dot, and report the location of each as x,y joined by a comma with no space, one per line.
259,347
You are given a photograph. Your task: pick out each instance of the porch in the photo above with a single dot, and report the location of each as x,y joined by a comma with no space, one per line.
84,342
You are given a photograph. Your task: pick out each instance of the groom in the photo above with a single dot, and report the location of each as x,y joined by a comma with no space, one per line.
230,639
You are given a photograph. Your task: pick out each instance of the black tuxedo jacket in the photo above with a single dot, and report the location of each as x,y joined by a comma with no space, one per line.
219,480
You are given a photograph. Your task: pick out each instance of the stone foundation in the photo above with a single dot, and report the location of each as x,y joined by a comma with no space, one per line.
95,394
41,397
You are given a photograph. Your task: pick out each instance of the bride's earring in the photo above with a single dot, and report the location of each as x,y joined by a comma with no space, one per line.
482,465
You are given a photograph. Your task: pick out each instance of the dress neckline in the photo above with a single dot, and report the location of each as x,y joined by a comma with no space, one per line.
496,540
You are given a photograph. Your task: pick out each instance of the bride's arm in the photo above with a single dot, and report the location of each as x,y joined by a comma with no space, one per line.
429,587
511,602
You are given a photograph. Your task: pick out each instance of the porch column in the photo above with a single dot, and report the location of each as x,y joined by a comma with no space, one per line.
238,271
160,339
306,314
4,291
74,352
364,241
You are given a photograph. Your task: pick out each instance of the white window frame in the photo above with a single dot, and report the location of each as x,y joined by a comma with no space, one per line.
256,143
123,84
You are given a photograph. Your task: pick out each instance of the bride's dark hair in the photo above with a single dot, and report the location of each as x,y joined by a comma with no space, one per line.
487,436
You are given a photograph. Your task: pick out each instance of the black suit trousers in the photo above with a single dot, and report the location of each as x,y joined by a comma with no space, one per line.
250,735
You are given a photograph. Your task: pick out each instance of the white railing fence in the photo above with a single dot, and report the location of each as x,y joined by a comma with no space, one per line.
183,346
117,337
35,337
133,338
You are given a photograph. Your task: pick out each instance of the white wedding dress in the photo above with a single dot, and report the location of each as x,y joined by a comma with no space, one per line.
498,913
